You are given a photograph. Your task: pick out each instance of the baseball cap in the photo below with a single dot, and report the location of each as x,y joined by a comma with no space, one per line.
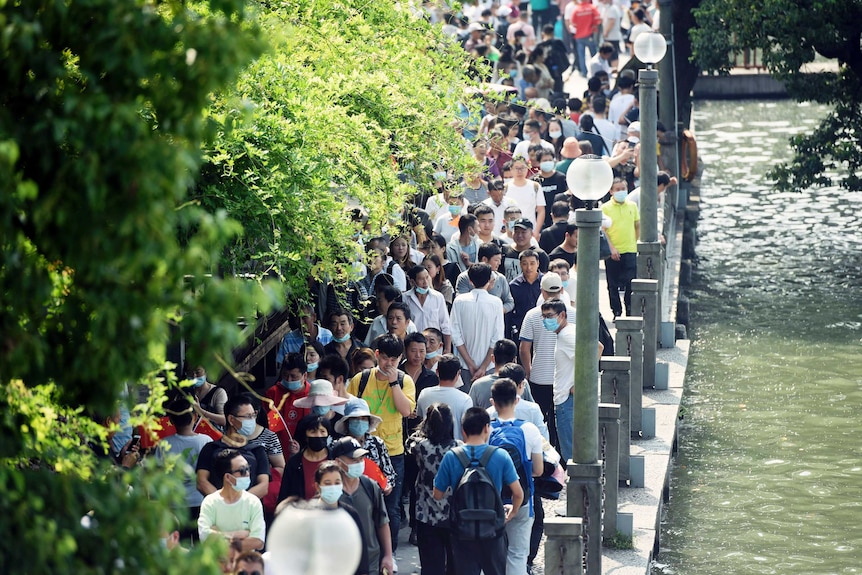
523,223
551,282
347,447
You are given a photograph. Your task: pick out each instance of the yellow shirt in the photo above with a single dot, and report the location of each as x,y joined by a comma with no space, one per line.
378,395
622,232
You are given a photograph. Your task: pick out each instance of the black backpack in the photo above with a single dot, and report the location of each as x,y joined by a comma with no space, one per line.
475,509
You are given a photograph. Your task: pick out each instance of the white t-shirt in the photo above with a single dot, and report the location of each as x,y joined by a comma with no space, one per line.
619,104
612,11
457,400
528,197
564,364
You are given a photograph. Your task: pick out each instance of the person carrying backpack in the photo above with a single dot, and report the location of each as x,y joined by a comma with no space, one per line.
476,473
522,440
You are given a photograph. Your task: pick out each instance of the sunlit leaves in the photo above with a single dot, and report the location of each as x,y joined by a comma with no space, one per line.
789,36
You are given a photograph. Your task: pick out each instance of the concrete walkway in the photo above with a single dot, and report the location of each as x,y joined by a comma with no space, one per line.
643,503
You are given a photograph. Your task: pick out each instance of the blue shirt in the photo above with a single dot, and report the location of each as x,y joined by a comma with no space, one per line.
293,341
500,468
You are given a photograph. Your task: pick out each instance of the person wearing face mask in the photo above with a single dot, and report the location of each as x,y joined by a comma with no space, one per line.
232,512
209,398
365,495
241,423
436,205
329,483
498,202
313,435
552,183
463,248
621,267
433,347
427,305
292,385
446,223
359,423
312,351
321,399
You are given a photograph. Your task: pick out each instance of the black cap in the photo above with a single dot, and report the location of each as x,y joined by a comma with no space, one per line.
523,223
347,446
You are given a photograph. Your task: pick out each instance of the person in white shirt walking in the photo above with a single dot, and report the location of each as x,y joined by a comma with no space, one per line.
427,305
477,323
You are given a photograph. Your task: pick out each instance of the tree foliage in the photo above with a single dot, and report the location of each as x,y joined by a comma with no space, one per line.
351,94
151,153
101,126
790,37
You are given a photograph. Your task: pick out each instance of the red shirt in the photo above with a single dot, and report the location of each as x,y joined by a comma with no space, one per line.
284,401
309,468
586,20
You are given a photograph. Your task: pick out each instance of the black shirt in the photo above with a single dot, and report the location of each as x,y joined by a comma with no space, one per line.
512,263
551,186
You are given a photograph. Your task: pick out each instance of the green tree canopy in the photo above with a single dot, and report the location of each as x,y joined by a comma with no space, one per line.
150,153
791,35
351,94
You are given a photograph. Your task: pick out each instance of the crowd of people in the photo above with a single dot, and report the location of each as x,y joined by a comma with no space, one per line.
448,364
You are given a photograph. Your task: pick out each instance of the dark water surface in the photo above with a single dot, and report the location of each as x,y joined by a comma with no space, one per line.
769,474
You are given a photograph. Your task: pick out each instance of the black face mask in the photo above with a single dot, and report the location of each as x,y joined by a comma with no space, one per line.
317,443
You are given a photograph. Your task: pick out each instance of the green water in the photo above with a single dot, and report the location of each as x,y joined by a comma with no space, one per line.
769,474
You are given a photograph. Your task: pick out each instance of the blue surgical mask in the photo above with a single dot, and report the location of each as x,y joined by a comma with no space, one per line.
358,427
565,283
513,73
292,385
547,166
510,225
242,483
422,290
340,339
312,367
320,409
432,354
551,324
331,493
200,381
247,427
356,470
620,196
454,210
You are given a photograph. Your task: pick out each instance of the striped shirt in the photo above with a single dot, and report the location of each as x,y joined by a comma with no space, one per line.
544,343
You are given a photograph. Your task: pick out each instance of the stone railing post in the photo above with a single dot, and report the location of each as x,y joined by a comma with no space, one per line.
584,500
610,437
616,389
630,343
645,301
564,554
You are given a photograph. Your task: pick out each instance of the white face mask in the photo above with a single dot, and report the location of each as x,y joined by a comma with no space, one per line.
555,134
356,469
547,166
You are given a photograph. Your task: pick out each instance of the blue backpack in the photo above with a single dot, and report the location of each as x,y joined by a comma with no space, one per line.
509,436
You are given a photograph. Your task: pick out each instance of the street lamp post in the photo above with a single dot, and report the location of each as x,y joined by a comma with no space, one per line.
590,178
650,47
